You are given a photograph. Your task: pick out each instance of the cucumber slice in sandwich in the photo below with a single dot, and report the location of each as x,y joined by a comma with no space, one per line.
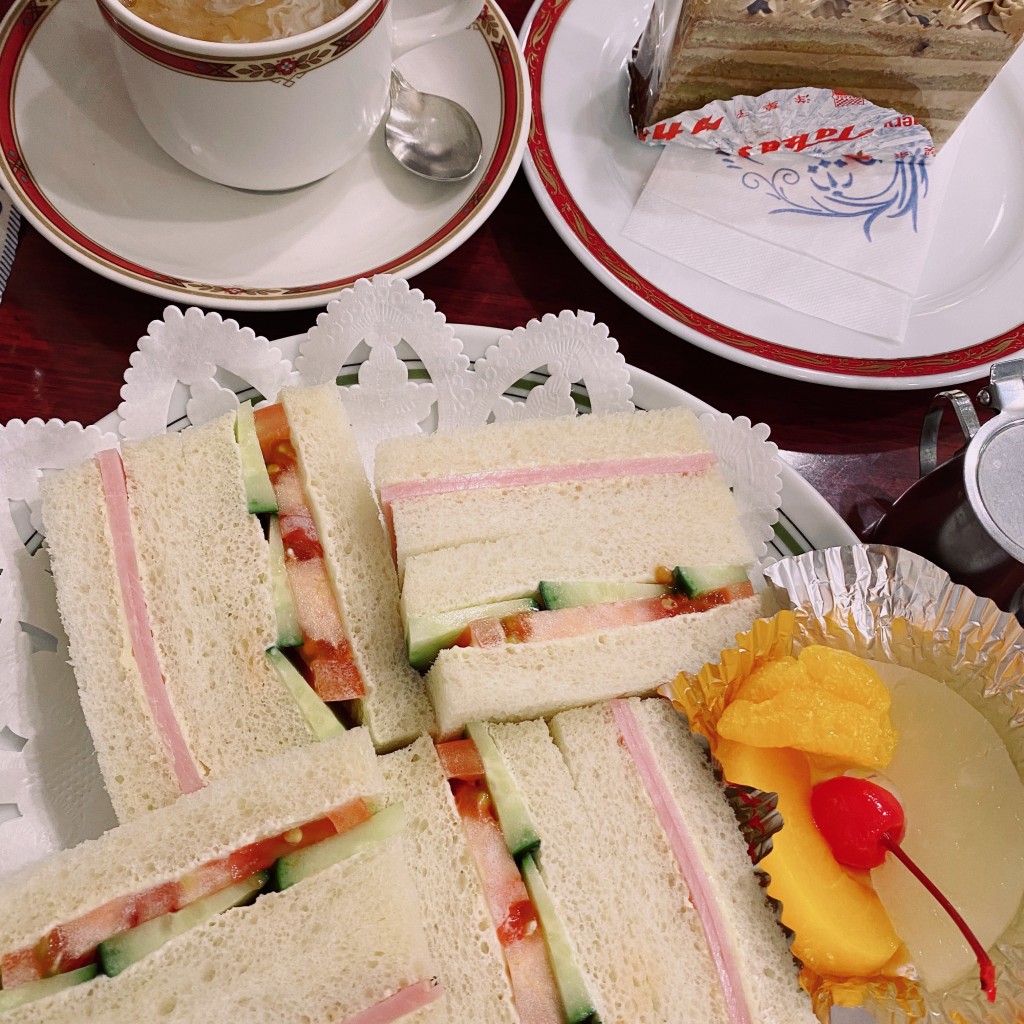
33,990
121,951
425,635
258,489
521,836
573,593
294,867
289,632
694,581
572,988
319,716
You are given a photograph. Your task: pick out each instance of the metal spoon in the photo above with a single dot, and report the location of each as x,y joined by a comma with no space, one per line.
430,135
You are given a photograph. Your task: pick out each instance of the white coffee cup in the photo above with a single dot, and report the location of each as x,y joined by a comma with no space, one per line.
274,114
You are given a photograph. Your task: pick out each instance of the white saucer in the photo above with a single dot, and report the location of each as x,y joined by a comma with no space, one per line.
79,165
587,170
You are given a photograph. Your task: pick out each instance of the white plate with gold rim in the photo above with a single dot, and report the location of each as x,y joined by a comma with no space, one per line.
81,168
587,169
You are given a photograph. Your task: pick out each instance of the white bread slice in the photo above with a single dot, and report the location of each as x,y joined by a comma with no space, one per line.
205,570
356,550
610,507
672,969
529,680
772,989
109,685
319,951
578,873
257,801
460,933
521,443
704,531
279,793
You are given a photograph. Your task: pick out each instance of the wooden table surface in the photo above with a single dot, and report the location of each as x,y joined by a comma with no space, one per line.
66,334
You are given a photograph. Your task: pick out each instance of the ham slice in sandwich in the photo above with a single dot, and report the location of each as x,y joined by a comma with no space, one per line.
166,587
546,564
590,868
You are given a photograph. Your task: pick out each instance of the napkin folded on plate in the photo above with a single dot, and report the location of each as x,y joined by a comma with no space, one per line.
840,238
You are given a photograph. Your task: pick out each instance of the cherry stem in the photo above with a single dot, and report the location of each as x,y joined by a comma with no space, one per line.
988,970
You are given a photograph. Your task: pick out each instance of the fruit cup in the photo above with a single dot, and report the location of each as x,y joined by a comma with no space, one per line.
933,719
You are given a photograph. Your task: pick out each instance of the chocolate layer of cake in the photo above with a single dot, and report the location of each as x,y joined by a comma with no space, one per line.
932,60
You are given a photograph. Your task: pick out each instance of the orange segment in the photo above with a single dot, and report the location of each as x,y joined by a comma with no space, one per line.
816,723
845,675
825,702
771,679
818,668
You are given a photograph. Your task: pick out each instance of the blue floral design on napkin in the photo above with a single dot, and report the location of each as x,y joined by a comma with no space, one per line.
838,188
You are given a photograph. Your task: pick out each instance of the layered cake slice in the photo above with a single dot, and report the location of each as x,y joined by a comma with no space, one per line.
929,59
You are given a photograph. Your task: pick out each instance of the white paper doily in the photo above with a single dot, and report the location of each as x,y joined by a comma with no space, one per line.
400,368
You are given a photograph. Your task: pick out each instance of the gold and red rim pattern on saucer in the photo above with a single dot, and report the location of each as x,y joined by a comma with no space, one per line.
49,212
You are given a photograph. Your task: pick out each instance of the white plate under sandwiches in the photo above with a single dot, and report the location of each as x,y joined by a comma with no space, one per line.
51,795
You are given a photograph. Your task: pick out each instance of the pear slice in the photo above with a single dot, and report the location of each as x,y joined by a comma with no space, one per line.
964,805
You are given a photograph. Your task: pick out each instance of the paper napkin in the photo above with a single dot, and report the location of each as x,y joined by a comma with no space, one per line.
840,238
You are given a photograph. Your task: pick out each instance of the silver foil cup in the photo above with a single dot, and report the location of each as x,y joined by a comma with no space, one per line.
888,605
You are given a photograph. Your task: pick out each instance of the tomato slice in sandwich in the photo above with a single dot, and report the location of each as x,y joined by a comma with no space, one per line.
73,944
460,759
326,653
526,955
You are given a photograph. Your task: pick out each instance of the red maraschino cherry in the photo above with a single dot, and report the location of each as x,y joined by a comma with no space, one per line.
858,820
862,822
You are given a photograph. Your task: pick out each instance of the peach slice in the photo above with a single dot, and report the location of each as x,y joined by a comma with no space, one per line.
840,925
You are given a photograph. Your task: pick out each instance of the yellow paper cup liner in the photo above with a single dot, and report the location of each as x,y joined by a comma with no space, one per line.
888,605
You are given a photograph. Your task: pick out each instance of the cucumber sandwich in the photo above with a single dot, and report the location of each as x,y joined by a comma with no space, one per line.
589,869
550,563
228,593
579,870
275,895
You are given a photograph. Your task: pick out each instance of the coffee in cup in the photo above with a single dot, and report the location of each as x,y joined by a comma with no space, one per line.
238,21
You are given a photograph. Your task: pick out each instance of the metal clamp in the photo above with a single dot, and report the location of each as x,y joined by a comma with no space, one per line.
994,459
966,417
1006,387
